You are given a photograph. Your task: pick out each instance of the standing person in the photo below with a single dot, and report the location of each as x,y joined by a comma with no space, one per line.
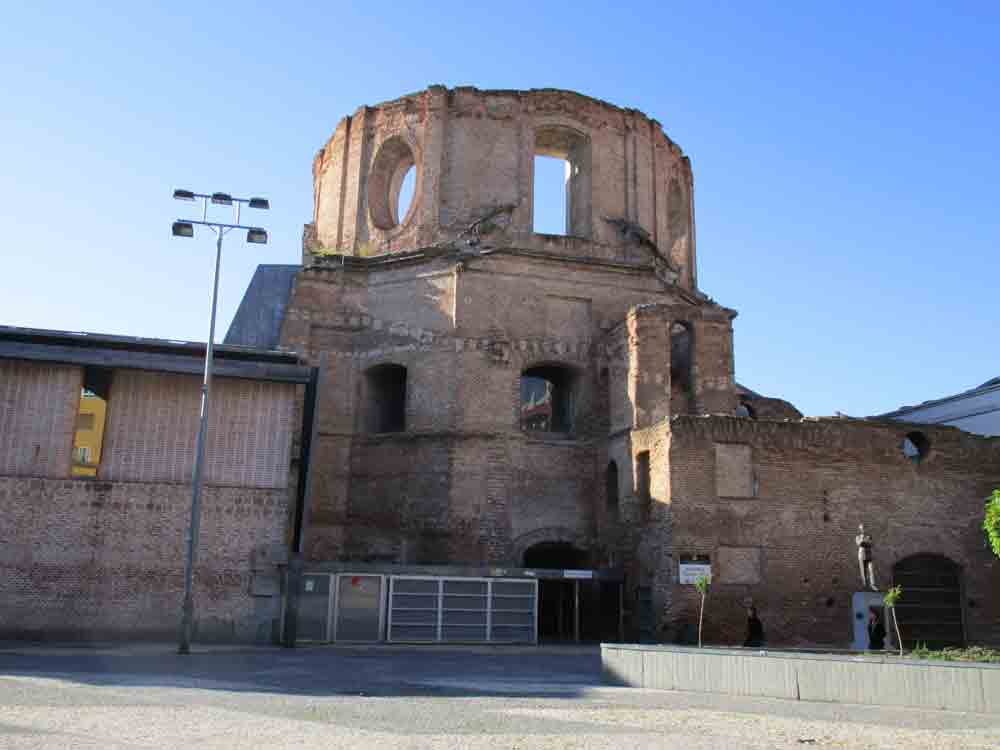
876,631
755,630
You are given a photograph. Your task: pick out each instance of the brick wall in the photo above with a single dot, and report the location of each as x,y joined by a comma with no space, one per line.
38,408
84,558
153,425
463,484
96,560
777,505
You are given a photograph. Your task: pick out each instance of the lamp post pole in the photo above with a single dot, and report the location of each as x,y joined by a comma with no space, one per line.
186,229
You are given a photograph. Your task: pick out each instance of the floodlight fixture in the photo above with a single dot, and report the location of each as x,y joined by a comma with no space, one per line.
183,229
222,199
261,203
184,195
257,236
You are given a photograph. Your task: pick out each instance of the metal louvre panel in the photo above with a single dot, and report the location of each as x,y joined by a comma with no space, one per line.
461,610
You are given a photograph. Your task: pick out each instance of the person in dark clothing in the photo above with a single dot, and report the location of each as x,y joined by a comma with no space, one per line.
755,630
876,631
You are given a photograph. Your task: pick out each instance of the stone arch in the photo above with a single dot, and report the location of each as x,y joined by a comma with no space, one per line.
556,534
394,158
930,611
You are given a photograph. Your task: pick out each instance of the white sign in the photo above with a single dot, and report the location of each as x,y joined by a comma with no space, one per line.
691,572
578,574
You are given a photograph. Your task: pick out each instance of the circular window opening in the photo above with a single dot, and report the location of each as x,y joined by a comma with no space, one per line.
916,446
407,188
392,185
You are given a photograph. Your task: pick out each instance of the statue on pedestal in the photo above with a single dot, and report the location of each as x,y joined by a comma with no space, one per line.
867,567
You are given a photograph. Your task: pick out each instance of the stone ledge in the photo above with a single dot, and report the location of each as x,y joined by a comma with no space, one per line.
860,679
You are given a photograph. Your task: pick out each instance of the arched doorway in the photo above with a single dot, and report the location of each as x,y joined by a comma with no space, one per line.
558,598
930,611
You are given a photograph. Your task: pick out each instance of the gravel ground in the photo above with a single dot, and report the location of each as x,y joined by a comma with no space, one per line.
394,698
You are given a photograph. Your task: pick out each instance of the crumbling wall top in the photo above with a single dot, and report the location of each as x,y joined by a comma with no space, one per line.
470,154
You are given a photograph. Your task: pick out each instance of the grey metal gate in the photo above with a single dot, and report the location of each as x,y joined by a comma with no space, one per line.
434,609
358,608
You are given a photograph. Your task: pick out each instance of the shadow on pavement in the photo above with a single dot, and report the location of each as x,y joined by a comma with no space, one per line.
375,671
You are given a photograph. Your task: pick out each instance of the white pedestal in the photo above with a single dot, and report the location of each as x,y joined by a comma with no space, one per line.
861,602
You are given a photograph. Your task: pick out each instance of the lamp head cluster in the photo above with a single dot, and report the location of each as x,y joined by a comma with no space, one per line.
185,227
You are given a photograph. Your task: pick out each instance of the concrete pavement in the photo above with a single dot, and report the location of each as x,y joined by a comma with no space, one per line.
146,696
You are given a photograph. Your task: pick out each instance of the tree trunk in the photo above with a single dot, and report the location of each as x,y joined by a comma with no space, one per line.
899,638
701,615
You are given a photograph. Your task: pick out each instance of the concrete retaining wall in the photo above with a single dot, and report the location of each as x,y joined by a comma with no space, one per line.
871,680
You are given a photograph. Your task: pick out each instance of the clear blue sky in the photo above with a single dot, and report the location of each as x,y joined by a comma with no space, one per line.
846,159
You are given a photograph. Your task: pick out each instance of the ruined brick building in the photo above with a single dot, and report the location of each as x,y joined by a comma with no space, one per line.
513,434
498,402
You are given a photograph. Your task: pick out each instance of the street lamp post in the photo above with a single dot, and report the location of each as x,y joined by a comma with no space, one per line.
255,235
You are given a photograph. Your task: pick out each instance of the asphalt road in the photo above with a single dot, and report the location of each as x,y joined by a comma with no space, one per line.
403,697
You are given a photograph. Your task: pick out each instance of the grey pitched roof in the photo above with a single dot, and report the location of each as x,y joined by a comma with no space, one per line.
258,320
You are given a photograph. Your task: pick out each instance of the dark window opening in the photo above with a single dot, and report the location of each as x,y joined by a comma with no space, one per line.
916,446
387,398
642,480
88,437
611,489
680,358
745,410
930,611
547,399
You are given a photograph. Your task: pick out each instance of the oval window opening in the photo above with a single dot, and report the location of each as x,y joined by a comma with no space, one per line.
406,190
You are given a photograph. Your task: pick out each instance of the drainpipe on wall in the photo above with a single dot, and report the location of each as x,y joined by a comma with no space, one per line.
293,574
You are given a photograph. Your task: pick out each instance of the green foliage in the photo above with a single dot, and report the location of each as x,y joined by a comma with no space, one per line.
991,523
980,654
892,596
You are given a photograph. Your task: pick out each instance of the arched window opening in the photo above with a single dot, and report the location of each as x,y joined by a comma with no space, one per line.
930,611
681,352
611,487
916,446
643,482
547,399
561,185
745,410
386,398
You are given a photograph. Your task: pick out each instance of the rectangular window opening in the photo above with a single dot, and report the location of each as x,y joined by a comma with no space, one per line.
551,196
88,438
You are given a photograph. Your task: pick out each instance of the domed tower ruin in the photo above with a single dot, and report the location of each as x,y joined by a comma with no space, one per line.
489,395
628,190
